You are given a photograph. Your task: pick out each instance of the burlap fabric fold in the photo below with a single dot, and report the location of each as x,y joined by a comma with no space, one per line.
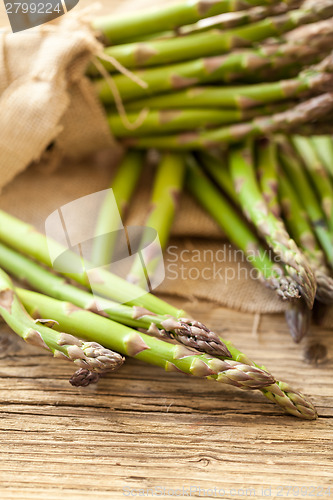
44,95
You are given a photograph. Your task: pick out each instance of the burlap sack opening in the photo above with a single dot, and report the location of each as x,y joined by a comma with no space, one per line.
45,99
75,124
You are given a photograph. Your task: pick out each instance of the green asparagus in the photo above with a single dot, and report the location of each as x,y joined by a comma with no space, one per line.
143,347
316,79
310,110
268,226
317,174
123,187
87,355
241,372
186,331
166,193
296,174
324,148
26,239
237,231
117,29
174,120
225,68
215,42
267,169
300,228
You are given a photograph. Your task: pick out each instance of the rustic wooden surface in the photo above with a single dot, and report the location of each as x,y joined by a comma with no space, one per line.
144,428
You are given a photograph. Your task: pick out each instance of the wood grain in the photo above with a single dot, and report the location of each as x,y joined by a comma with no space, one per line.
144,428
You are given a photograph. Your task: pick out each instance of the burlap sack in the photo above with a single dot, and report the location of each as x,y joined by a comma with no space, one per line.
45,99
195,266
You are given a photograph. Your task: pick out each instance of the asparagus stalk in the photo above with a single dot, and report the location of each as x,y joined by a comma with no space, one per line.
224,21
267,169
239,233
214,42
186,331
298,224
141,346
26,239
317,174
179,120
122,187
295,173
117,29
224,68
217,167
166,192
268,226
88,355
240,372
316,79
297,327
240,18
310,110
324,148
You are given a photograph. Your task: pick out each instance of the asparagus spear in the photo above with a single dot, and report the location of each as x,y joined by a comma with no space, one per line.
217,167
186,331
241,372
214,42
297,222
88,355
219,172
166,191
267,169
122,187
316,79
239,233
178,120
324,148
224,68
25,238
240,18
141,346
295,172
317,174
310,110
117,29
268,226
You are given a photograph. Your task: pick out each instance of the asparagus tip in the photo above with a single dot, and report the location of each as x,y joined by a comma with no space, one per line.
83,378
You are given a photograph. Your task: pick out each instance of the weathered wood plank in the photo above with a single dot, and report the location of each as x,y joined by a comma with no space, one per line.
144,428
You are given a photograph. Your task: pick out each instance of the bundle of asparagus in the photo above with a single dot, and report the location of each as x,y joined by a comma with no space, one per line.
277,56
223,362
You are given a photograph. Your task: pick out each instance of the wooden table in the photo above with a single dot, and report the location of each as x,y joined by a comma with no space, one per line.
144,428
